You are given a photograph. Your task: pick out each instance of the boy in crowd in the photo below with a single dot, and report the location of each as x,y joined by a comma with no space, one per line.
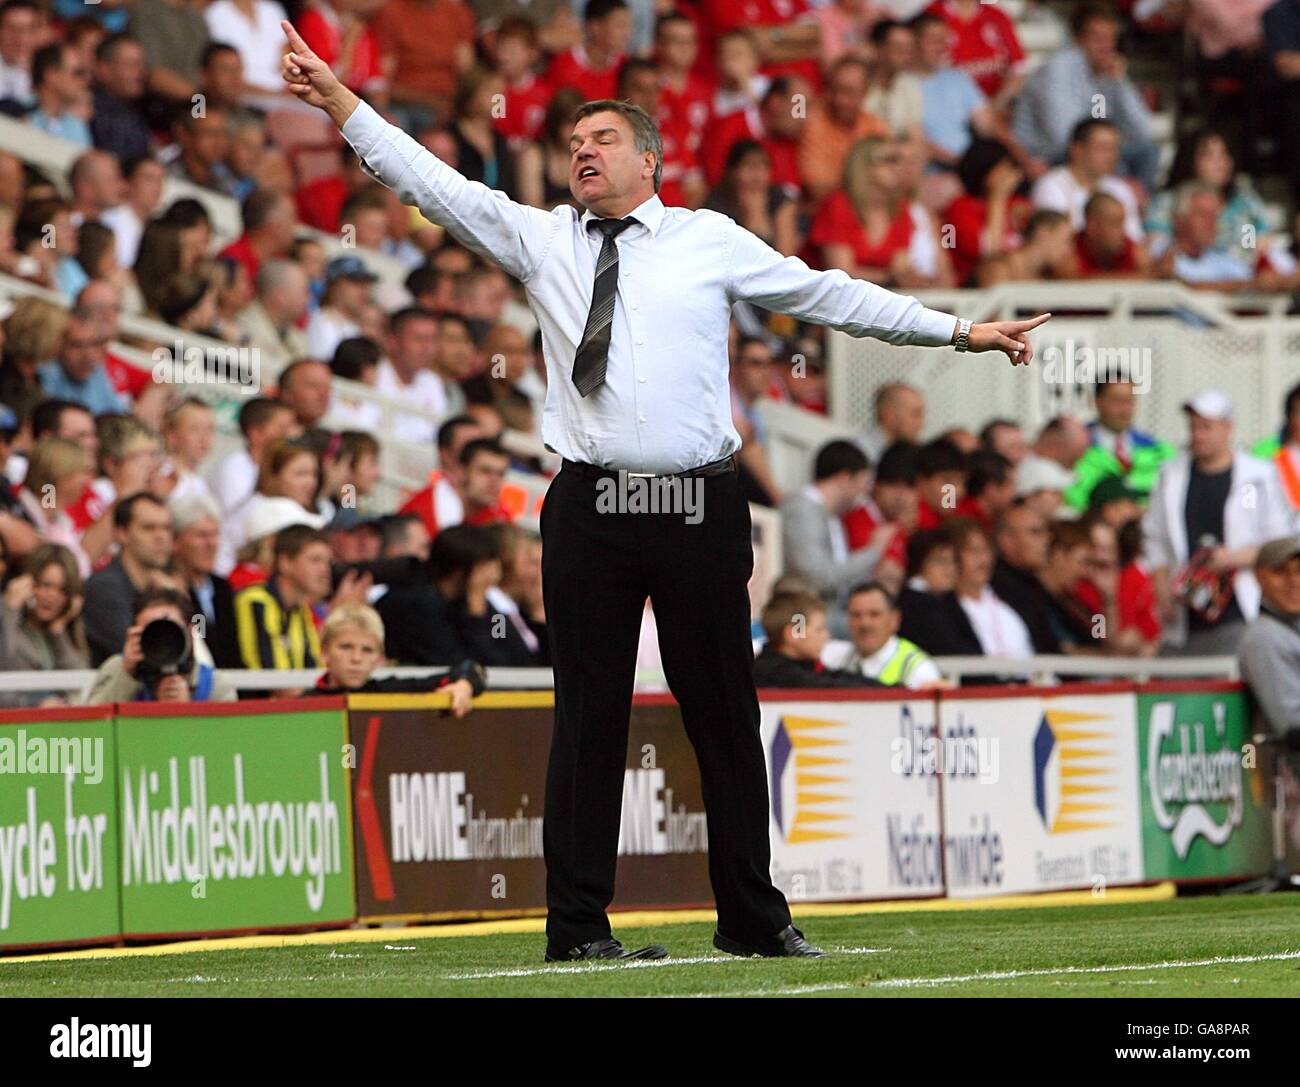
352,647
795,624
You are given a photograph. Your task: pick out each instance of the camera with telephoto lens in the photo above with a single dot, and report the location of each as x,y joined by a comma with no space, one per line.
165,650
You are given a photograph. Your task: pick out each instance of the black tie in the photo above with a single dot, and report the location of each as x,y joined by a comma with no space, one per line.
593,352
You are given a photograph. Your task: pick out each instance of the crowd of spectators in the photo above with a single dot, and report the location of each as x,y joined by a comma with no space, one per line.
909,143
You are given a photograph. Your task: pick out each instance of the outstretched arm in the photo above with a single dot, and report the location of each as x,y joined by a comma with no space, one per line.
757,273
513,235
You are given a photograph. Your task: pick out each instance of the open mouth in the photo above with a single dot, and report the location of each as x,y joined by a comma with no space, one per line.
586,172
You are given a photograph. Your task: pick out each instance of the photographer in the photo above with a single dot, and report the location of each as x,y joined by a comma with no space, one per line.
158,664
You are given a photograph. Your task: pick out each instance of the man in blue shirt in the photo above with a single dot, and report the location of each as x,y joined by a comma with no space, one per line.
78,372
59,80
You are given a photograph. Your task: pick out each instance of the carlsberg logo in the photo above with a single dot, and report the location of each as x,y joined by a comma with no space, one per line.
1185,777
170,841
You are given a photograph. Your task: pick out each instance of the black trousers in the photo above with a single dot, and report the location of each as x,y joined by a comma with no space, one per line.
598,568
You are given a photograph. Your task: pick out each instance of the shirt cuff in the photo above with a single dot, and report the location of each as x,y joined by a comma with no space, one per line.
934,328
363,129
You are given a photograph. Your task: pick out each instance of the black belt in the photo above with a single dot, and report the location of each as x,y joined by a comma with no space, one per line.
592,471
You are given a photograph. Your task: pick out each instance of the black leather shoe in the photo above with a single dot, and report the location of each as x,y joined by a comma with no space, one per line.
786,944
607,948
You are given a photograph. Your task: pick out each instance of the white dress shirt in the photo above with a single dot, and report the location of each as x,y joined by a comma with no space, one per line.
1001,632
665,405
425,390
259,43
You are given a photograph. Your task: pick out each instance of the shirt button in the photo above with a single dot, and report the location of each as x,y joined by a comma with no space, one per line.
642,380
635,306
643,418
640,342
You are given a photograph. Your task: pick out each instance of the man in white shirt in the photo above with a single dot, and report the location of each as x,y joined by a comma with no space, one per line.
347,296
1089,168
144,188
407,373
263,422
634,332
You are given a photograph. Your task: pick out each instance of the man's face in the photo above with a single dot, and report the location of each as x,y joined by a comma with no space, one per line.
78,425
612,33
975,560
19,33
351,655
416,543
932,46
289,300
845,92
1281,586
605,168
449,457
207,138
484,477
872,622
83,349
148,538
415,345
642,89
943,490
308,571
191,437
455,349
1209,437
196,545
70,79
1199,224
1103,230
509,357
902,417
678,45
1116,405
223,78
899,50
1009,441
780,118
1098,154
1023,539
896,501
124,73
1099,42
146,185
308,393
277,427
754,369
101,305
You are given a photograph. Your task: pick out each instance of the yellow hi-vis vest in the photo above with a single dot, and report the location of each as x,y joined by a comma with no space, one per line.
898,669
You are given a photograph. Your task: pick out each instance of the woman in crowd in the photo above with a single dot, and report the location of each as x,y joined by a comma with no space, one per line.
989,217
872,231
746,194
58,473
482,153
40,627
351,469
32,333
1207,156
544,164
288,479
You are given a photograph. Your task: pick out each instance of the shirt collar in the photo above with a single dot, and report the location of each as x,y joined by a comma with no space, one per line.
649,214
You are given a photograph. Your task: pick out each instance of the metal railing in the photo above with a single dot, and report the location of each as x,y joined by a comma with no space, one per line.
1039,669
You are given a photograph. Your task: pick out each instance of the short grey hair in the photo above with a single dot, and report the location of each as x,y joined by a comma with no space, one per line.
193,508
645,133
1189,191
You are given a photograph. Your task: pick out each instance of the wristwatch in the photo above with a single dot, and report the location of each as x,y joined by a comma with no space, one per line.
962,342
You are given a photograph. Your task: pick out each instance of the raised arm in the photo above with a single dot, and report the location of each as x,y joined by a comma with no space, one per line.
514,235
757,273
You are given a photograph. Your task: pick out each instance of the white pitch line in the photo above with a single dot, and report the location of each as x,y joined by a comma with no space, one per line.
1005,975
560,969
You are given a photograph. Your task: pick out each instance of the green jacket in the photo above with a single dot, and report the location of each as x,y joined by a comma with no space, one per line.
1099,462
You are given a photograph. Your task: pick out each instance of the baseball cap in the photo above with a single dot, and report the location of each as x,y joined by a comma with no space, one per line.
1210,404
347,518
1034,474
1277,553
348,267
1112,488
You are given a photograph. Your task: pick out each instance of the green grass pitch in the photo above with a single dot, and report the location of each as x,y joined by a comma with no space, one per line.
1200,946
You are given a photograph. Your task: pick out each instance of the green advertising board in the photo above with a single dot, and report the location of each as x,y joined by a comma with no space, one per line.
58,828
1205,809
234,817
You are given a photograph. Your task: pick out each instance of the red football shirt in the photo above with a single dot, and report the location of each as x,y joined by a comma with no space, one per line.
525,109
985,47
836,223
573,69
